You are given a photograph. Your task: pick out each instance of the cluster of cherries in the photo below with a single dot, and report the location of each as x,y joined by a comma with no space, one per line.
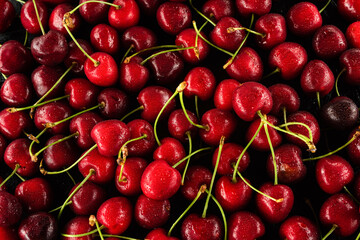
98,142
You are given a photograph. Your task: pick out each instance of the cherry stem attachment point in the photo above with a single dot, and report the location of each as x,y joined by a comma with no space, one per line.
127,53
38,18
17,166
92,221
188,134
330,232
187,116
35,139
337,80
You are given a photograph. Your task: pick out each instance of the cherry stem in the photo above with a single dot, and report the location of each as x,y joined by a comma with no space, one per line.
120,237
272,73
96,63
20,177
71,178
127,59
351,195
258,191
355,135
337,80
12,110
59,207
221,144
201,191
4,76
197,107
26,37
82,234
188,134
310,138
285,118
318,99
190,155
243,151
187,116
327,4
35,139
308,202
130,113
38,18
17,166
330,232
233,29
358,237
94,1
241,45
127,53
44,172
208,42
92,221
165,51
20,1
91,172
196,50
201,14
221,211
272,153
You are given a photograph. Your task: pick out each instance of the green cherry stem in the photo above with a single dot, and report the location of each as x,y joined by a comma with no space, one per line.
20,177
127,53
201,191
327,4
302,124
179,89
4,76
59,207
120,237
351,195
71,178
94,1
20,1
221,144
165,51
132,112
277,70
17,166
92,221
337,80
285,118
197,42
190,155
188,134
26,37
82,234
181,98
34,139
12,109
127,59
201,14
318,99
38,18
358,236
91,172
196,107
272,153
330,232
233,29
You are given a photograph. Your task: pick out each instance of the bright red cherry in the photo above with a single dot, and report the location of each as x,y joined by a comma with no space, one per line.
29,19
353,34
298,227
258,7
126,16
104,73
245,225
217,9
105,38
284,97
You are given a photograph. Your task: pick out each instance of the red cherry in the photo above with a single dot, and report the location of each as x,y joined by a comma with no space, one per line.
11,209
349,9
126,16
200,81
173,17
224,93
8,233
195,177
14,58
199,228
245,225
179,126
93,12
7,16
43,79
105,38
353,150
284,96
350,60
105,74
133,75
218,9
12,125
29,19
78,225
353,34
3,145
298,227
82,93
159,234
56,20
258,7
38,225
142,147
139,38
17,91
75,55
116,103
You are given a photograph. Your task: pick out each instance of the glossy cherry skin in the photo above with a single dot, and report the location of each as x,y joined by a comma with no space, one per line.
56,20
333,173
126,16
29,19
223,94
290,58
78,225
160,181
219,124
17,152
349,9
249,98
353,150
105,38
200,81
76,56
274,27
173,17
133,75
35,194
116,103
82,93
257,7
8,233
171,150
142,147
341,210
231,195
104,167
103,75
39,225
340,113
270,210
261,143
245,225
7,15
151,213
139,38
94,13
247,66
329,42
17,91
131,176
11,209
87,199
179,127
197,228
195,177
109,136
43,79
14,58
284,96
353,34
3,144
159,234
289,164
12,125
350,60
298,227
153,98
115,214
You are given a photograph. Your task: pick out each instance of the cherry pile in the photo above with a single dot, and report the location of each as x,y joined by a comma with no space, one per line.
193,120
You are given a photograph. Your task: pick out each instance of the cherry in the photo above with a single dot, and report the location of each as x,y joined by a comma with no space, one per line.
273,26
103,72
11,209
109,136
115,214
245,225
14,58
44,78
179,127
173,17
8,233
159,234
75,55
133,75
329,42
350,60
78,225
349,9
17,91
289,59
284,97
35,194
126,16
195,177
13,124
57,17
290,167
116,102
39,225
138,38
141,147
200,81
92,12
249,98
105,38
151,213
29,18
129,183
340,210
224,93
258,7
82,93
3,145
87,199
275,211
229,156
247,66
197,227
298,227
7,15
352,34
353,149
218,9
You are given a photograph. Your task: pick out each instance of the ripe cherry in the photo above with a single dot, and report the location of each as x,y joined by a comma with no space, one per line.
17,91
224,93
57,17
173,17
138,38
14,58
126,16
133,75
105,38
93,12
353,34
200,81
39,225
103,72
75,55
12,125
78,225
7,15
298,227
116,103
349,9
197,227
11,209
82,93
179,127
44,78
350,60
159,234
284,97
195,177
245,8
229,156
141,147
217,9
245,225
29,19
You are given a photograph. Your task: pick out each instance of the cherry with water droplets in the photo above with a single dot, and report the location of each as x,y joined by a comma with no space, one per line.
15,58
298,227
173,17
7,16
353,34
350,60
199,228
258,7
11,209
56,20
284,97
13,125
133,75
75,55
126,16
78,225
349,9
116,103
93,12
43,79
138,38
245,225
29,19
104,73
17,91
195,177
217,9
39,225
105,38
159,234
82,93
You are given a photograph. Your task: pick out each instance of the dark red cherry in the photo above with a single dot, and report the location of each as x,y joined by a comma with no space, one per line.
159,234
200,81
258,7
35,194
14,58
13,125
11,209
245,225
105,74
29,19
274,27
171,150
353,150
349,9
249,98
298,227
142,147
126,16
284,96
17,91
173,17
289,164
8,233
353,34
78,225
199,228
350,60
179,127
224,93
289,58
56,20
93,12
7,16
105,38
218,9
304,18
329,42
139,38
43,79
116,103
3,145
195,177
133,75
151,213
39,225
76,56
82,93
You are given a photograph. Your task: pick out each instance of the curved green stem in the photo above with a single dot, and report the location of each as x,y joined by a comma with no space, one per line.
130,141
188,160
120,237
130,113
285,118
59,207
272,153
71,178
38,18
82,234
330,232
270,74
94,1
221,211
127,59
201,14
196,41
35,139
181,98
127,53
337,80
13,109
20,177
301,124
17,166
165,51
98,229
26,37
189,156
351,195
233,29
327,4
